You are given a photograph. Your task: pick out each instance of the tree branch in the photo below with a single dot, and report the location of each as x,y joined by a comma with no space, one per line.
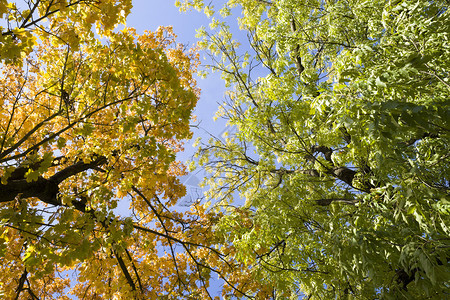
77,168
45,189
125,270
326,202
22,280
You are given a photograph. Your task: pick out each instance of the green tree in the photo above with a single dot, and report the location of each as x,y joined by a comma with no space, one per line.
341,150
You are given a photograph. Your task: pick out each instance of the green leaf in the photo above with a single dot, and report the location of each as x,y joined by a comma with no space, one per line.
380,83
61,142
31,175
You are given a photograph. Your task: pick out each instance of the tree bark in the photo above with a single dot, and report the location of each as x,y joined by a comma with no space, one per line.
45,189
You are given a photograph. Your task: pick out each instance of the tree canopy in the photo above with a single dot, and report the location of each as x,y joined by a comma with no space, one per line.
334,183
341,146
92,114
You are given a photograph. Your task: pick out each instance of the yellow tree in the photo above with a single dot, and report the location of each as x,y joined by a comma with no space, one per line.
86,123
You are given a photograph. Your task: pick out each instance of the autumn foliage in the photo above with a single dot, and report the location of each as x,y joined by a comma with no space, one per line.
92,115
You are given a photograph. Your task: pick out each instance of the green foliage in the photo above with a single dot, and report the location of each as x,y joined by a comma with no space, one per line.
342,145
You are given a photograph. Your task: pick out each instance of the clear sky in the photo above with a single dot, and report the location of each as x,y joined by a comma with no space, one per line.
149,14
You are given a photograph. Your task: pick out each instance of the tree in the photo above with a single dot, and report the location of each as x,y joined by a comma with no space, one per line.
31,20
341,150
87,123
